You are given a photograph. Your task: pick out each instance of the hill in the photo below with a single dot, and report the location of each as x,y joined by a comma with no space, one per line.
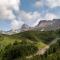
24,44
53,53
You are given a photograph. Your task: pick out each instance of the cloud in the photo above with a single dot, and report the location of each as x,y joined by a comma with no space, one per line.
47,16
49,3
38,3
16,25
30,18
53,3
50,16
7,9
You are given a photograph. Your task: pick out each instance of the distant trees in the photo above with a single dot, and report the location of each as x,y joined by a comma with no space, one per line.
47,36
58,32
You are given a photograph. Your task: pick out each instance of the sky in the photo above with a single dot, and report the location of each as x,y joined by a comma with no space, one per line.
15,13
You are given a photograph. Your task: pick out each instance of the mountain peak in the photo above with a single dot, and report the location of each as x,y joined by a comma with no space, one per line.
49,24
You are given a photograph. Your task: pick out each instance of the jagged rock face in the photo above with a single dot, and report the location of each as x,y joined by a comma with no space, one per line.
25,27
56,22
49,25
44,23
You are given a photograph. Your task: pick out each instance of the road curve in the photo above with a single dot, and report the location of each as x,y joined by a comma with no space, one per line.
43,50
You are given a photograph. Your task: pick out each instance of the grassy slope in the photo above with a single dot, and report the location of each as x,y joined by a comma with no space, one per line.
39,39
36,37
30,37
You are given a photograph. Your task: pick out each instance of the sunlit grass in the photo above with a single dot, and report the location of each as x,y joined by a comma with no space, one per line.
40,44
7,41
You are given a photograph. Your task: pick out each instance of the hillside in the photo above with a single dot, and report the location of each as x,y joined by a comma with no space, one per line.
53,53
21,45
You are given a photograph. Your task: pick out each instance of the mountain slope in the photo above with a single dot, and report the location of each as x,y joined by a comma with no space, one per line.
53,53
25,40
48,25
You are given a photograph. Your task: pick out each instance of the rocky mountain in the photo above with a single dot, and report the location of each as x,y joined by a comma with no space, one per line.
49,24
43,25
25,27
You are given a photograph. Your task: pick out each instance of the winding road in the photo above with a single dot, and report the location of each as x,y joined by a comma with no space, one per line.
43,50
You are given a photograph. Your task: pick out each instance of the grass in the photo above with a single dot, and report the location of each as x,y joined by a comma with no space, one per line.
6,41
37,38
28,36
40,44
10,40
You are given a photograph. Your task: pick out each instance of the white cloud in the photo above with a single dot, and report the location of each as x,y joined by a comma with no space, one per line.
53,3
50,16
16,25
49,3
6,12
7,7
30,17
38,3
47,16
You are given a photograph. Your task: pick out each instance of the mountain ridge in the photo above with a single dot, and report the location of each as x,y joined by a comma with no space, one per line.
43,25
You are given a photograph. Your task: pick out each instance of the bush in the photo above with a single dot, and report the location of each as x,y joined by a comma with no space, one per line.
18,51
